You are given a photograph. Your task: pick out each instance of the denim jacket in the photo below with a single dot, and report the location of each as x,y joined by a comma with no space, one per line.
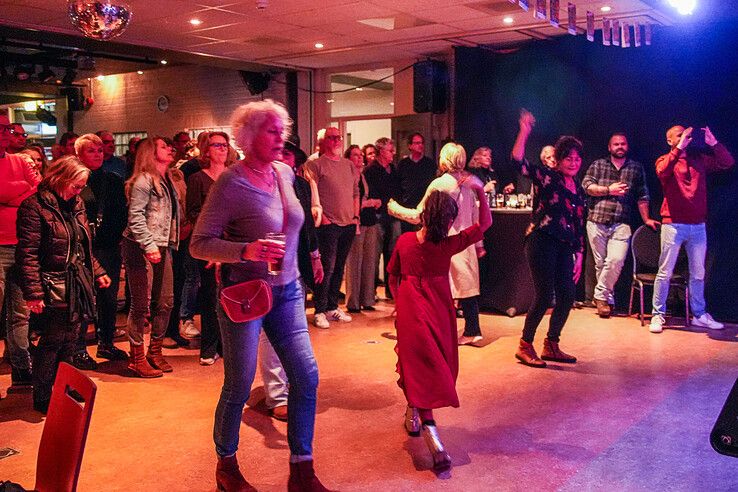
153,218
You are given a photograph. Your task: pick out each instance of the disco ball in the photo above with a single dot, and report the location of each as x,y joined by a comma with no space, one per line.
101,19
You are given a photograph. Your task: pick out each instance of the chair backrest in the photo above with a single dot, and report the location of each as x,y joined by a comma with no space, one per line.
65,431
645,245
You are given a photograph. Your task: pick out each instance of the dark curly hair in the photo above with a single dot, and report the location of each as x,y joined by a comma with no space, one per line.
564,145
439,212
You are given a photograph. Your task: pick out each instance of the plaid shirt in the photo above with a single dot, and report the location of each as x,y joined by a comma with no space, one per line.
615,209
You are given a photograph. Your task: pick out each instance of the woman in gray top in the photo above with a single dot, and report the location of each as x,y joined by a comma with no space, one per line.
245,204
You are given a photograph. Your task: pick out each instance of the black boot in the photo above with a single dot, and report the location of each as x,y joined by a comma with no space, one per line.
110,352
82,360
21,378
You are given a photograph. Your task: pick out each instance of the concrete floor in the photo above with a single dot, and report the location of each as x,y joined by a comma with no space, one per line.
634,414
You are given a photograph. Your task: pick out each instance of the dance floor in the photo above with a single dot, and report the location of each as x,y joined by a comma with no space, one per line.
634,414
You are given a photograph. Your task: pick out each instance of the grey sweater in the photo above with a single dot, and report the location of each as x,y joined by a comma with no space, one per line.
338,185
236,213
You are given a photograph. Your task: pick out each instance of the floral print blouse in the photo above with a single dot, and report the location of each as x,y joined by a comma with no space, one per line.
559,212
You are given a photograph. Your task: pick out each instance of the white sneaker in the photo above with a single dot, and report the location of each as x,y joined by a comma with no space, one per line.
320,321
338,315
188,330
657,324
706,321
209,361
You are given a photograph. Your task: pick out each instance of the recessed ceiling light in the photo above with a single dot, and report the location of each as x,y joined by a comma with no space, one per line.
319,45
359,89
163,62
605,8
100,77
140,72
195,22
508,20
330,101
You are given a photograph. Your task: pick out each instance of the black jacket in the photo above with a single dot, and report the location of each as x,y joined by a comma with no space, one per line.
44,240
106,188
308,235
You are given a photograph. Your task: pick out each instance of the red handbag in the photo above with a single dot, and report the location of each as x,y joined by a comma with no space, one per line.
247,300
252,299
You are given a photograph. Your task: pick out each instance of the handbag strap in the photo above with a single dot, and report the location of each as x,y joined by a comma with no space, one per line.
283,197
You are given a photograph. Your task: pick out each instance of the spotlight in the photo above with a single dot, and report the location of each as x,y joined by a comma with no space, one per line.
195,22
69,76
100,77
24,72
319,46
508,20
163,62
140,72
46,75
684,7
605,8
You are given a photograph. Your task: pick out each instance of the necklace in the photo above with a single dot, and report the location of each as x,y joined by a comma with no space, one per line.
262,176
256,170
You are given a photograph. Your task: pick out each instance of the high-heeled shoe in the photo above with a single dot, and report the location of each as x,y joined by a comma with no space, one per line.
441,459
412,421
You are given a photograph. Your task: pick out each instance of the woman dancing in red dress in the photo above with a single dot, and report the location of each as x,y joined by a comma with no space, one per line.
427,349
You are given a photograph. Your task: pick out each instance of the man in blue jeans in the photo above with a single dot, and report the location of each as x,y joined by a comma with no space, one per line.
683,174
614,184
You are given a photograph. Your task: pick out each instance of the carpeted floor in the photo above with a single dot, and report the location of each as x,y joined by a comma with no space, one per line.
634,414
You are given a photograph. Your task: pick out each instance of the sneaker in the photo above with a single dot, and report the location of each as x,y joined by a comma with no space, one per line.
466,340
83,360
338,315
170,343
706,321
279,413
657,324
188,329
209,361
320,321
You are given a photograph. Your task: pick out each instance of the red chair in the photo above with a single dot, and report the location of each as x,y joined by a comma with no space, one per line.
65,431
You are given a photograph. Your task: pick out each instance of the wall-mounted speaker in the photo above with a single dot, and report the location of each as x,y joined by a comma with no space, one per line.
256,82
430,86
75,98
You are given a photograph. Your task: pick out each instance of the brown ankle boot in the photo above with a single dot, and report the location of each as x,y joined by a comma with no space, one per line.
527,355
303,479
603,308
228,476
552,352
155,358
138,363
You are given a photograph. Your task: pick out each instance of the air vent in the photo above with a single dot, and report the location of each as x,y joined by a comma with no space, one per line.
395,23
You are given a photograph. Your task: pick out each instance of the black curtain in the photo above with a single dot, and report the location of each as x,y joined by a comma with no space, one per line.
688,76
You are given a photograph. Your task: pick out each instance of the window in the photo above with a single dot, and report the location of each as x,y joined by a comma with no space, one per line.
121,141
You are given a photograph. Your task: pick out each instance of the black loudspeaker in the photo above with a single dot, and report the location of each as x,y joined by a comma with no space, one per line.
724,436
256,82
430,86
75,98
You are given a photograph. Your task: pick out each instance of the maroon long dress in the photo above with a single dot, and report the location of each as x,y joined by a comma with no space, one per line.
427,350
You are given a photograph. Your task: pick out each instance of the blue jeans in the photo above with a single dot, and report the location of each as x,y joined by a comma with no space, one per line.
609,245
286,327
192,282
17,311
694,239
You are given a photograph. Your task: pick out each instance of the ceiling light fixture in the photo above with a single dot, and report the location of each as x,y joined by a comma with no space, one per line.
684,7
605,8
195,22
319,45
100,77
163,62
140,72
508,20
359,89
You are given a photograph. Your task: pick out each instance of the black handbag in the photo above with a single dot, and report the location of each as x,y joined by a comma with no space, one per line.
55,289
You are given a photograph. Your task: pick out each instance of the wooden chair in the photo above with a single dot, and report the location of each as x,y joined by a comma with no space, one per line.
646,249
65,431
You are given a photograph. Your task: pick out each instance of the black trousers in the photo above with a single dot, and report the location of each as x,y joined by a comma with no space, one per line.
106,300
58,342
210,343
552,267
334,243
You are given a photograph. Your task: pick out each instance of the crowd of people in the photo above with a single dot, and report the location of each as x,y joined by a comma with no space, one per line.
184,219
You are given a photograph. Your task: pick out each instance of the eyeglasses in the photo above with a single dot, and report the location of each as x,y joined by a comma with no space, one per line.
219,145
16,132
